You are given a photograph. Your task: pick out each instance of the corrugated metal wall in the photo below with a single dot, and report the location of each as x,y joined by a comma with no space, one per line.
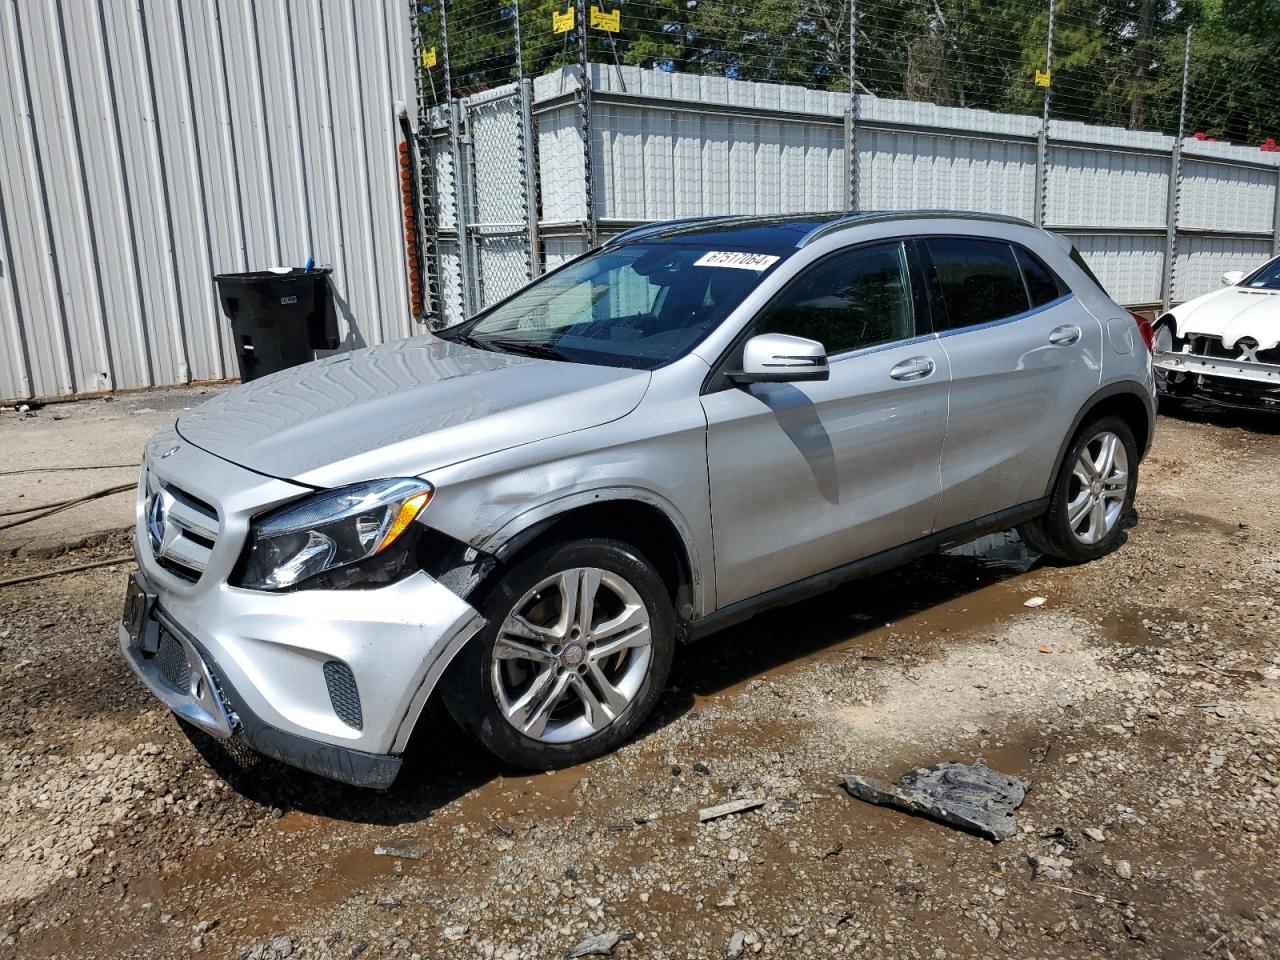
672,145
150,144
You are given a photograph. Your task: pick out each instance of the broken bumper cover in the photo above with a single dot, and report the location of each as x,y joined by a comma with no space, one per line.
1231,382
255,668
1252,372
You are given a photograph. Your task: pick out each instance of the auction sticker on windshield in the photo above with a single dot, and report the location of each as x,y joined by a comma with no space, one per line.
738,261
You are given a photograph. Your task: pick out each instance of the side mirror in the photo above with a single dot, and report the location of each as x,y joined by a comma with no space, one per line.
1232,277
781,358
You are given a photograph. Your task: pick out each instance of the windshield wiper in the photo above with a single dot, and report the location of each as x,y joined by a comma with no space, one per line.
465,338
527,348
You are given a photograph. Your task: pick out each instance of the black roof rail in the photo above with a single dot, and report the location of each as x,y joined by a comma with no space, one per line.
645,229
880,216
835,221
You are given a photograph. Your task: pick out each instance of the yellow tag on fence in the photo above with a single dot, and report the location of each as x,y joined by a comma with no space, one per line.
1042,78
608,21
562,22
429,57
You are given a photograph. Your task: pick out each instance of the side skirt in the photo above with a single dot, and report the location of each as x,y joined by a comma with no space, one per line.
867,566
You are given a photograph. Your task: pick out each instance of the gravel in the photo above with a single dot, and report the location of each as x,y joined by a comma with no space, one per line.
1141,699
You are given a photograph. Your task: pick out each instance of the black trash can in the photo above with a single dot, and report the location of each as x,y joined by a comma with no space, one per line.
278,320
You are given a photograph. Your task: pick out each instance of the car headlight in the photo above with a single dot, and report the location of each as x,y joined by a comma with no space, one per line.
330,530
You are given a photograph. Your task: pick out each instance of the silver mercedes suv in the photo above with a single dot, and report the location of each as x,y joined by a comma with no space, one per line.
527,513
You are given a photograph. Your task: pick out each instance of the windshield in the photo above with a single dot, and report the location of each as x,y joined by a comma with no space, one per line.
1267,277
636,305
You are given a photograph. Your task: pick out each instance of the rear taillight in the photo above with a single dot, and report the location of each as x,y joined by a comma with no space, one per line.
1148,332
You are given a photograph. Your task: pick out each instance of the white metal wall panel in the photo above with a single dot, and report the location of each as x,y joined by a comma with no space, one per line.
150,145
1203,260
1107,187
902,170
560,250
1233,153
1130,267
1089,133
656,164
560,165
1217,195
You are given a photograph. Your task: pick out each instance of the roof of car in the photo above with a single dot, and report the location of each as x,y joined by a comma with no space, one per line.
784,233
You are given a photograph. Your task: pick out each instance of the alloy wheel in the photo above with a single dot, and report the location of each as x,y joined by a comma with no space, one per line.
571,655
1099,487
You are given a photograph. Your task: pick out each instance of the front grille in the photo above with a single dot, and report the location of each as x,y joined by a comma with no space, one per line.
343,693
182,530
1222,389
1213,347
171,659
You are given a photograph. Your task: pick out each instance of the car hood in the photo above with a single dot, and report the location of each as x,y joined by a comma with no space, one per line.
403,409
1232,313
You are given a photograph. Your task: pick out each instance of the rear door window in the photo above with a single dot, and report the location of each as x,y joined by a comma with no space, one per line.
977,281
1043,284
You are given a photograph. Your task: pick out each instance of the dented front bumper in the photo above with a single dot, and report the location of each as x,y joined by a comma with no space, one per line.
331,680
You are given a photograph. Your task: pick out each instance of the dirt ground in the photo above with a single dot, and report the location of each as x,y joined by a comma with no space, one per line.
1141,699
98,444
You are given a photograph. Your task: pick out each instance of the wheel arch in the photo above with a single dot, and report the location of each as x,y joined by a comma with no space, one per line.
635,516
1168,319
1128,400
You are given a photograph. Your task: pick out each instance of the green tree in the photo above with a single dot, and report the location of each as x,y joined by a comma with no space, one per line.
1115,61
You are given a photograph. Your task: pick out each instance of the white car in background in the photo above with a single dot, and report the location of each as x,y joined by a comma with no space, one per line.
1225,346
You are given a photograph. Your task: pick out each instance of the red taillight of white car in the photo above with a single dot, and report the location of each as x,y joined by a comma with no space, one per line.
1146,329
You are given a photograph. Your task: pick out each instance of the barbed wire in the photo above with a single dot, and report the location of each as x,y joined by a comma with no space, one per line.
1116,62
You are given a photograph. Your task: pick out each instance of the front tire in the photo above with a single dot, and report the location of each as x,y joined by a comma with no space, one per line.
575,652
1094,490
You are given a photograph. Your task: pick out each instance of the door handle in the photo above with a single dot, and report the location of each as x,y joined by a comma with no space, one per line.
913,368
1065,335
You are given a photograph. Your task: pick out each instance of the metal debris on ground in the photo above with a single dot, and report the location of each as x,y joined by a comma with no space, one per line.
401,853
970,796
741,805
601,945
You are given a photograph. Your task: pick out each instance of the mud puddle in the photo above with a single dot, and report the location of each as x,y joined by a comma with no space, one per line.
319,853
949,594
1148,716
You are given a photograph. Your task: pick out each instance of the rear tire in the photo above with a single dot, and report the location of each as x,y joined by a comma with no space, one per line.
1091,497
549,681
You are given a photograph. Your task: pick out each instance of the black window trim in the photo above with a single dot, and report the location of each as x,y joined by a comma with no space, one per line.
717,380
926,261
